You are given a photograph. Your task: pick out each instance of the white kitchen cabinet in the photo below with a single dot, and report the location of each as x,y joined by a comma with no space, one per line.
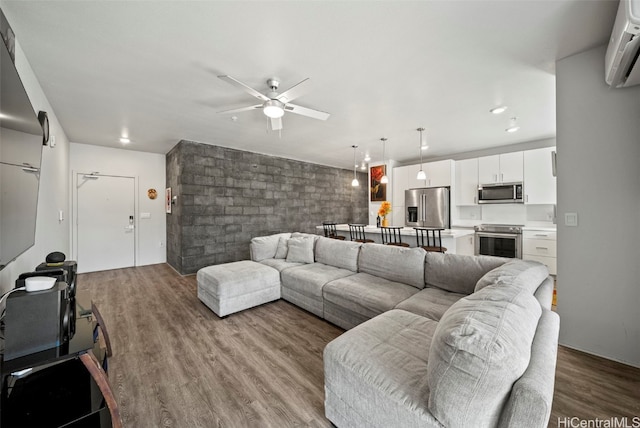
397,215
539,182
439,173
465,245
400,183
503,168
540,245
466,183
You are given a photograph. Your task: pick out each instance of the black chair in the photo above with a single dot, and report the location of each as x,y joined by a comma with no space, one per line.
356,233
391,236
330,230
433,243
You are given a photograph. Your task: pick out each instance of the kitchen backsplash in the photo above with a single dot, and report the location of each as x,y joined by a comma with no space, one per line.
505,213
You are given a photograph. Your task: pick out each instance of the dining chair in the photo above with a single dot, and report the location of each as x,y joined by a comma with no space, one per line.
391,236
356,233
330,230
433,243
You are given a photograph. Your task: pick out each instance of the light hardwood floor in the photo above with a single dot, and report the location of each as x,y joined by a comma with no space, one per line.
176,364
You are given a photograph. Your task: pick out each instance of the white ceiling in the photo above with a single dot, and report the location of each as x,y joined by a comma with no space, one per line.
382,69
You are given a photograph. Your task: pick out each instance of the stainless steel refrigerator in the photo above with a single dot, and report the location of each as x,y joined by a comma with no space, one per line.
427,207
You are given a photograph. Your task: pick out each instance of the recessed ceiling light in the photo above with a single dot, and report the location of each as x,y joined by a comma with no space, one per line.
498,110
513,126
125,140
424,147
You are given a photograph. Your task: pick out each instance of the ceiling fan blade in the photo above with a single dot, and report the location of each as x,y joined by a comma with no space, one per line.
238,110
304,111
294,92
248,89
276,124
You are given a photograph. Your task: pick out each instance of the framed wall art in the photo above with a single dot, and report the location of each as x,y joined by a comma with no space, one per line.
377,189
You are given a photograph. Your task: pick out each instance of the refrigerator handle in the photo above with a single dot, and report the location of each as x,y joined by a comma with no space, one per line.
423,206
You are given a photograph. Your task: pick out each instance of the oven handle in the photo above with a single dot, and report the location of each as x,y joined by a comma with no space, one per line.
498,235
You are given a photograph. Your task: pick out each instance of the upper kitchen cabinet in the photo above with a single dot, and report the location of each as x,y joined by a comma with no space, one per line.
400,183
466,181
503,168
539,182
439,174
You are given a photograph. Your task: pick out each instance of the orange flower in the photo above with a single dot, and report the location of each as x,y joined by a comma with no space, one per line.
385,208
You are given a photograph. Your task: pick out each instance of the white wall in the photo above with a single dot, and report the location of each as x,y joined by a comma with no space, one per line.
598,164
53,194
149,171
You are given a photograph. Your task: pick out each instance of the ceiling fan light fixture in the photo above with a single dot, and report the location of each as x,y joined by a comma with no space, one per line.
273,109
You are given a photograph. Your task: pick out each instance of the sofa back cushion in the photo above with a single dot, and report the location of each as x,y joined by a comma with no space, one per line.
521,273
457,273
264,247
337,253
399,264
482,345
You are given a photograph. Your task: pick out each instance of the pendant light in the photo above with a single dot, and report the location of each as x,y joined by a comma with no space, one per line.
421,174
384,179
354,182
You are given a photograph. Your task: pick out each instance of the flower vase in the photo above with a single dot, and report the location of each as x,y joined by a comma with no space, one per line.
385,222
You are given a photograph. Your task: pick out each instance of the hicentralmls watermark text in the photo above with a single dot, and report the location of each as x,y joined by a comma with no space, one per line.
613,422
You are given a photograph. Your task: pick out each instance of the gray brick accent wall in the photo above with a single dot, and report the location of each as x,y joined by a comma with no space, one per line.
227,196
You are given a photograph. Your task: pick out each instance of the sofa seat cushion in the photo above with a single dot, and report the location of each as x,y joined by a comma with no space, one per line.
309,279
366,294
341,254
457,273
430,302
482,345
519,273
279,264
376,372
397,264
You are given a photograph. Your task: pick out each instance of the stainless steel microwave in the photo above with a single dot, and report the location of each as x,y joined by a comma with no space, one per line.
500,193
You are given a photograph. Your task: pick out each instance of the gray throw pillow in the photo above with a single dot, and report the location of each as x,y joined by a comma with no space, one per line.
300,250
283,248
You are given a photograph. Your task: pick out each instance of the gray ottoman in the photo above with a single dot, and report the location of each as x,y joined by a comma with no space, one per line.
233,287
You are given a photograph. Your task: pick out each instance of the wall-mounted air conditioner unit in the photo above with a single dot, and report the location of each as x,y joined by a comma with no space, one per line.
622,66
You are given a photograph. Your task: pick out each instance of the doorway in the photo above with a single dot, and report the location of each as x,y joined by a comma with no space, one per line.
104,225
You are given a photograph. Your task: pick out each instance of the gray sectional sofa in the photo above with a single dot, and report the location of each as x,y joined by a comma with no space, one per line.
433,339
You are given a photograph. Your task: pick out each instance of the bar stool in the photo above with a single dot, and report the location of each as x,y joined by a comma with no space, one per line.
356,232
391,236
330,230
433,244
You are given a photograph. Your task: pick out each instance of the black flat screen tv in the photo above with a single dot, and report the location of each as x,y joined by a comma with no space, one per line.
21,138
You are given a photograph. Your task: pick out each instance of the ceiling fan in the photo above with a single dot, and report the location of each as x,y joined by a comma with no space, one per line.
273,104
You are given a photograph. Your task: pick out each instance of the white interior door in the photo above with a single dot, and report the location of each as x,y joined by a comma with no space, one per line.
105,222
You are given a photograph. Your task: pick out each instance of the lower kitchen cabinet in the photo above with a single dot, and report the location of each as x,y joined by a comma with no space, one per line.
540,245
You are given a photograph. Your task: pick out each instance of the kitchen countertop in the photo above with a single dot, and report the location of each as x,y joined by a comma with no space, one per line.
539,225
409,231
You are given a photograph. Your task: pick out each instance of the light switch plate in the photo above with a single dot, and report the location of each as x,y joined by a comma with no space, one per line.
571,219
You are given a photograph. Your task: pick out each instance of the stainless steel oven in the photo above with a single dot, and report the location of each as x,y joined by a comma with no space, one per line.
501,240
